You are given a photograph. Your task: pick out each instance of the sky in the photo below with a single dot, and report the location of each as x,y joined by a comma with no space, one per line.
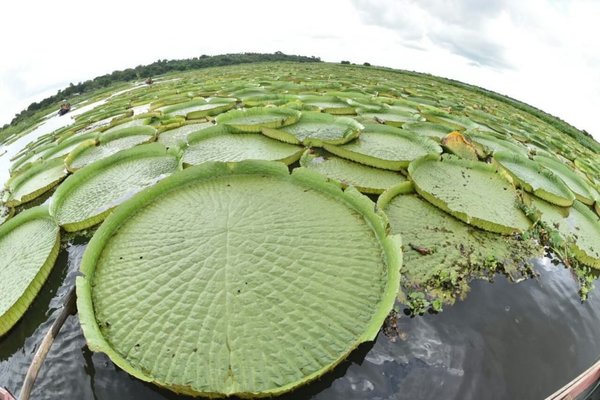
543,52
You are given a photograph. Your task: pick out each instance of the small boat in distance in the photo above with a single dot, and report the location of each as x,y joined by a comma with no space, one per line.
64,108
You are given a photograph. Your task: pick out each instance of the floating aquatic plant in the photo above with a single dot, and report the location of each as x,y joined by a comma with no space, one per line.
90,194
366,179
385,147
29,246
466,189
218,143
234,283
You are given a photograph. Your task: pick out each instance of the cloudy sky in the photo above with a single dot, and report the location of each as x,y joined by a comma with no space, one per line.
543,52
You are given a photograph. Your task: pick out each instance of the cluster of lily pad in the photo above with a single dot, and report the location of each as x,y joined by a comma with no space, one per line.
235,253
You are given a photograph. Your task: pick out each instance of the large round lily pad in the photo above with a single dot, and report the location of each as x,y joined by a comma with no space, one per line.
35,181
428,129
532,177
328,104
472,191
578,224
65,147
219,144
201,108
108,144
441,253
90,194
366,179
494,143
257,118
582,189
316,129
385,147
389,117
237,279
29,245
178,136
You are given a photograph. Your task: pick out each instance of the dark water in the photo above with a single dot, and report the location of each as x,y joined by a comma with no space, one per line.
505,341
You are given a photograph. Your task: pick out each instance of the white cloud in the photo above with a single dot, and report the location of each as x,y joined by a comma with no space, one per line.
543,52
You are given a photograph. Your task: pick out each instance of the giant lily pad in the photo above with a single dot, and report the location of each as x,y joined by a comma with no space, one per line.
364,178
91,193
119,125
108,144
328,104
456,122
579,225
29,245
472,191
583,191
254,282
257,118
495,143
68,145
178,136
201,108
533,178
389,117
441,253
428,129
386,147
219,144
316,129
35,181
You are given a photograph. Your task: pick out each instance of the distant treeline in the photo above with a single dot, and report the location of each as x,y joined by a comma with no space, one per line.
156,68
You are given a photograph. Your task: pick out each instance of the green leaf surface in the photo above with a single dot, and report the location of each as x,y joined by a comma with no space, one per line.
578,224
385,147
254,283
257,118
533,178
35,181
428,129
108,144
441,253
317,129
219,144
456,122
496,144
179,135
200,108
366,179
472,191
582,190
389,117
90,194
129,124
65,147
328,104
29,245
